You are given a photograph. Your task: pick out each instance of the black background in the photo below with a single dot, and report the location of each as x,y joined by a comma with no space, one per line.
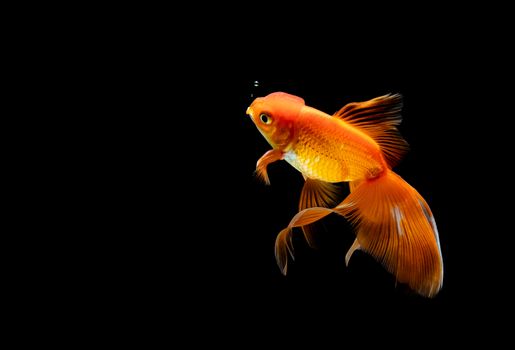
204,239
162,228
192,231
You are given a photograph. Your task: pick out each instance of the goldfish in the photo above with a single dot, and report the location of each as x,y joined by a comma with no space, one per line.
359,145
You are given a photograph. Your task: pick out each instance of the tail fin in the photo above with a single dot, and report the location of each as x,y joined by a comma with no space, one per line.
395,226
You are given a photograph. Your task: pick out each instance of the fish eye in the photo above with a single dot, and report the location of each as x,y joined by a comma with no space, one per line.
265,118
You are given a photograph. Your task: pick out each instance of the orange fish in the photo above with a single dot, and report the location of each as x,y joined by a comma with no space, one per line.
359,144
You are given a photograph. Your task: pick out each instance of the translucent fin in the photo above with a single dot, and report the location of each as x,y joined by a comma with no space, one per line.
354,184
283,245
378,118
283,248
355,246
395,225
316,193
308,216
269,157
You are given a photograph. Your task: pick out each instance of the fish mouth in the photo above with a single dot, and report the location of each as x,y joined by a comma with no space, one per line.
250,112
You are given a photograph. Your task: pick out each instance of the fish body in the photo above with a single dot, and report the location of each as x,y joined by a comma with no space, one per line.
328,149
359,144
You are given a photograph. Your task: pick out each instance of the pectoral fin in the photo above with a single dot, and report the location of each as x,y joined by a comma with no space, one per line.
269,157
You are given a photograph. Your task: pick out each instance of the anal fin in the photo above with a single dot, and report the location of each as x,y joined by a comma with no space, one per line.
354,184
355,246
283,249
316,193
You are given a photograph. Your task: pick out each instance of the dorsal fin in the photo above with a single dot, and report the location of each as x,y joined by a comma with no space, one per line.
378,118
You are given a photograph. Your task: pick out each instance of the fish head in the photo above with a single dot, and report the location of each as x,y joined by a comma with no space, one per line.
275,115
